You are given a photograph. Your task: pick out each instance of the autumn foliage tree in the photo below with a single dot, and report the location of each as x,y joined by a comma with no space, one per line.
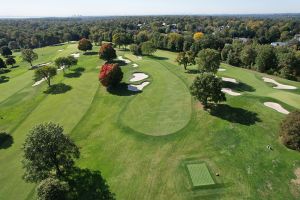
197,36
290,131
110,75
85,45
107,52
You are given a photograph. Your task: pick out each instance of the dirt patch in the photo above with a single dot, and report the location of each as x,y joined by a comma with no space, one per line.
297,179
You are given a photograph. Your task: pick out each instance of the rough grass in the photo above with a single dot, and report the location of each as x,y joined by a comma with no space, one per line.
140,166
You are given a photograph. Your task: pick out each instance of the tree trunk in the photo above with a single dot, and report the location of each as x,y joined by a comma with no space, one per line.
185,66
48,81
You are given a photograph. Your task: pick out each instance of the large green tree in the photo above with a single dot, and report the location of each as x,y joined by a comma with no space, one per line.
5,51
52,189
185,59
29,56
266,58
65,62
290,131
209,60
2,64
48,153
10,61
248,55
148,48
207,88
46,72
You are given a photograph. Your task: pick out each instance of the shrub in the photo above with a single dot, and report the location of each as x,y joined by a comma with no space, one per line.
110,75
290,131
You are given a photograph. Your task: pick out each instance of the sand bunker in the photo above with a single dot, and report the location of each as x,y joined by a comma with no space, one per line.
75,55
276,107
134,65
60,50
139,57
230,92
279,86
232,80
138,77
138,88
38,82
221,70
125,60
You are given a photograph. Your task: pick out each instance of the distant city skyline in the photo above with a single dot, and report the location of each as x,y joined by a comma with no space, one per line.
67,8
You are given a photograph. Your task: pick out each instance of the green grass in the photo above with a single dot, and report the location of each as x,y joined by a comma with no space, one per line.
200,175
118,133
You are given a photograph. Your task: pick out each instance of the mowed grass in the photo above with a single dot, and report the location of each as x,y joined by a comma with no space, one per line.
200,175
138,165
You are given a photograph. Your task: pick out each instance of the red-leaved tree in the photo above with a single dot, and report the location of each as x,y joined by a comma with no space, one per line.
110,75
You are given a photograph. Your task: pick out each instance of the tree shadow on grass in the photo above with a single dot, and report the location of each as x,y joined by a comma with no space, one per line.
76,73
6,140
86,184
59,88
4,71
90,53
4,79
120,62
121,90
239,87
158,57
235,115
15,66
192,71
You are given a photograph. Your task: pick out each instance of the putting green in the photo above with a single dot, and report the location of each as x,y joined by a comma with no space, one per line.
164,107
200,175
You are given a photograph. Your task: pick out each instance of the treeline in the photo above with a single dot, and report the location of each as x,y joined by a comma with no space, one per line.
33,33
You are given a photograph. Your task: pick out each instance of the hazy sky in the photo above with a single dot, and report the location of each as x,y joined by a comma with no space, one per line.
144,7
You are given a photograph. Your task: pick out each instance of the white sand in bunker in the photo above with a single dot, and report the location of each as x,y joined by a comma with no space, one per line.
123,59
38,82
138,88
75,55
139,57
279,85
221,70
230,92
276,107
138,77
232,80
60,50
134,65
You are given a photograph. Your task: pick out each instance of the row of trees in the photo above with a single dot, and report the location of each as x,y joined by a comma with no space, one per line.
281,61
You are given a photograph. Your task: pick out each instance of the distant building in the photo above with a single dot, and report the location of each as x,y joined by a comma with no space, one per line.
279,44
297,37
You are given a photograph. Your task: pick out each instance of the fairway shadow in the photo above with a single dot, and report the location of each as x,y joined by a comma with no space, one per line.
120,62
158,57
121,90
59,88
192,71
235,115
86,184
4,71
90,53
6,140
239,87
4,79
76,73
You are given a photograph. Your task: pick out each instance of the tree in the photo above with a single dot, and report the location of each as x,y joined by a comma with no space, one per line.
248,56
135,49
288,63
148,48
65,62
2,64
10,61
110,75
107,52
48,153
266,58
290,131
197,36
52,189
185,59
209,60
5,51
45,72
117,39
141,37
207,89
85,45
29,56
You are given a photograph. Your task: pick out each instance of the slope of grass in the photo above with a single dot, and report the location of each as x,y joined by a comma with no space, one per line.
232,140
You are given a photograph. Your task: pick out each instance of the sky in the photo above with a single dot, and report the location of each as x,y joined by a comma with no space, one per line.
65,8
